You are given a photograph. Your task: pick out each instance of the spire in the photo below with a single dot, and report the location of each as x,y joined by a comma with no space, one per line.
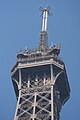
43,45
45,18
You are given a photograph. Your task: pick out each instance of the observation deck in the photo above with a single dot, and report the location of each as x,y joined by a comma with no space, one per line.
35,58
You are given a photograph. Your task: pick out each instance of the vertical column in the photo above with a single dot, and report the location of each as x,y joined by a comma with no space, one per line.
34,106
35,95
52,105
44,78
19,88
28,81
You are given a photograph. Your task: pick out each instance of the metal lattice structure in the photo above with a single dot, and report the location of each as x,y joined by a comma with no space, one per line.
40,81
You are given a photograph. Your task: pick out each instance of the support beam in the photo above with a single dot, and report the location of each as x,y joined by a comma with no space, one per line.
52,105
19,87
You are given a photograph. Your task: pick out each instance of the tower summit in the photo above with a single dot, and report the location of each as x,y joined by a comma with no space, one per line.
40,80
44,35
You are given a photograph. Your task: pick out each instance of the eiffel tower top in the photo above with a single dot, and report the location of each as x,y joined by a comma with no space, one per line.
43,45
44,50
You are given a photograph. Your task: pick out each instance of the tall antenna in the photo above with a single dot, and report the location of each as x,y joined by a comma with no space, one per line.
45,13
43,46
45,17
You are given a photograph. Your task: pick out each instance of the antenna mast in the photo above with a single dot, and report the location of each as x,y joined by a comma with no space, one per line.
45,17
43,45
